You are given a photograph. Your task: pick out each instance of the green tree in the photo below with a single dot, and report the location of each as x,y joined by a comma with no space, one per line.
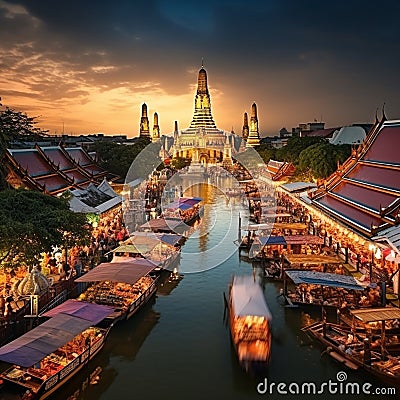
178,163
266,152
118,158
320,159
15,125
295,146
32,222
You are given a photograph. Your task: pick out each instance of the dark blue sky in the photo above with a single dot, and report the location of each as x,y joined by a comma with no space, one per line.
90,64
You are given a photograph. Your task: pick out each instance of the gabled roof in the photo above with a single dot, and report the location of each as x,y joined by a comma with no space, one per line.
105,187
365,192
280,169
52,169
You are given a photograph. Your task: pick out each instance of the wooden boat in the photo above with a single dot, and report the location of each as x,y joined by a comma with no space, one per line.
124,286
357,350
310,292
250,321
46,357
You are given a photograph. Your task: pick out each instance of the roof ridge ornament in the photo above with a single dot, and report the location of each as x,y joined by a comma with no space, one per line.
384,118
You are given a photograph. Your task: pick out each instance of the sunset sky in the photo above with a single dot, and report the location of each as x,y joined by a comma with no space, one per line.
91,64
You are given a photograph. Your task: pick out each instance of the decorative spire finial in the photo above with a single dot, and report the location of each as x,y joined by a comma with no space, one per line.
202,62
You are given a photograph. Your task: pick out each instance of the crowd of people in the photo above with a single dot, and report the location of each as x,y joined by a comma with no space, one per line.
65,264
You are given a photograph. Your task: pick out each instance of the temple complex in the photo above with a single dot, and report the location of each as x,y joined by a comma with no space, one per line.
203,142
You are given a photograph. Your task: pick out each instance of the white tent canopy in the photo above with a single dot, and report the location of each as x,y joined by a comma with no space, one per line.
248,298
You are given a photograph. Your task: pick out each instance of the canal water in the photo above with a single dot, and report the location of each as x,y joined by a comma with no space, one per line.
179,347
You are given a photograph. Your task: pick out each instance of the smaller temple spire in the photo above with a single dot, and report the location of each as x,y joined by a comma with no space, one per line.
144,122
254,111
144,110
156,128
245,129
254,136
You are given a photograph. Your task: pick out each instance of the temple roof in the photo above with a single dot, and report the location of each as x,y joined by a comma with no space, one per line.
52,169
280,169
365,192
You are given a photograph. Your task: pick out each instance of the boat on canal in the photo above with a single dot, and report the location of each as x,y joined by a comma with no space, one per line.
378,355
250,323
46,357
124,286
320,290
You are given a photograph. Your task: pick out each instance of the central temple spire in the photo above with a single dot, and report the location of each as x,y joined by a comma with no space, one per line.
202,118
202,82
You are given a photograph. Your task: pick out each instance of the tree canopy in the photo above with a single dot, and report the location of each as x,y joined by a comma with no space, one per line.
178,163
266,152
15,125
295,146
320,159
116,158
32,222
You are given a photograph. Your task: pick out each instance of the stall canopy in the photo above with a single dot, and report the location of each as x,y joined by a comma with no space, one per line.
303,239
272,240
143,246
165,225
312,259
377,314
36,344
258,227
80,309
274,215
167,238
170,239
126,248
127,272
248,298
324,279
184,203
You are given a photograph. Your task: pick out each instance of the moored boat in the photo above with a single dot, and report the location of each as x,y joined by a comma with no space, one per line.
250,321
379,356
125,286
46,357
